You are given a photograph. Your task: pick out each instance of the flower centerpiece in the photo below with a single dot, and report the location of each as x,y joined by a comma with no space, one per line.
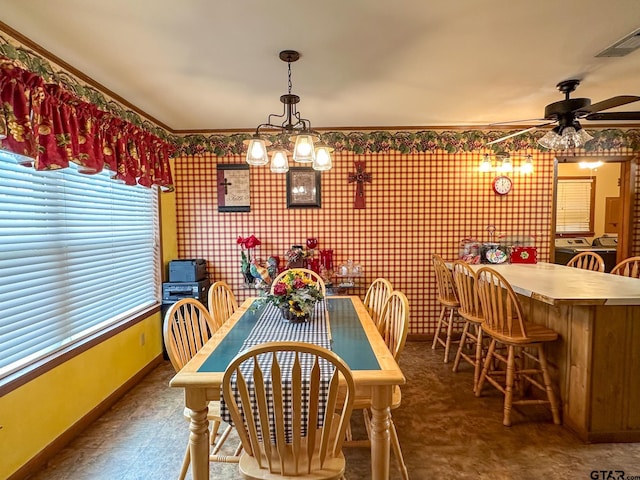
296,296
247,245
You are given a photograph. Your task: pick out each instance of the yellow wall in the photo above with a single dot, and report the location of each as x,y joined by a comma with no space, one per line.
168,223
35,414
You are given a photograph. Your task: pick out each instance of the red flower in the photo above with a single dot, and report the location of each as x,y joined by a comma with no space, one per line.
298,283
251,242
280,289
240,240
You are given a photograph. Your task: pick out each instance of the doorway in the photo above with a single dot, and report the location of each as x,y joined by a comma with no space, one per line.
613,207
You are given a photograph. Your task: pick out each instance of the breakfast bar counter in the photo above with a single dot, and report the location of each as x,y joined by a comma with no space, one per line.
595,363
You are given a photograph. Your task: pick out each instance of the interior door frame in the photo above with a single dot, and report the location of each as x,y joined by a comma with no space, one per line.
628,169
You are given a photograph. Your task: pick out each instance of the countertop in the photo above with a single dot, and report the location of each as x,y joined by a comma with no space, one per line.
559,284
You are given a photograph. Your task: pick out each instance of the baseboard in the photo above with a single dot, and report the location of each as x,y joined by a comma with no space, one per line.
37,463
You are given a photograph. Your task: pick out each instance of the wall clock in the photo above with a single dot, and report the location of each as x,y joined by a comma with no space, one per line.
502,185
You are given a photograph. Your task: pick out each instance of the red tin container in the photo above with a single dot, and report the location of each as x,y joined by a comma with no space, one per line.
523,255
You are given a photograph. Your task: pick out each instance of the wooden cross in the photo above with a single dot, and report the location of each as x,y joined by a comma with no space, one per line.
360,177
225,184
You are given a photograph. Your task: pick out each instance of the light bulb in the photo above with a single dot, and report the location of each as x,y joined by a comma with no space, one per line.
527,166
485,164
322,160
257,152
507,166
303,151
279,162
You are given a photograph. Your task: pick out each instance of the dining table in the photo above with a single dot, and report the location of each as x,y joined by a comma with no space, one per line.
351,334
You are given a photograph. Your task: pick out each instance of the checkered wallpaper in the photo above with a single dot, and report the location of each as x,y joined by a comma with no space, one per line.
417,205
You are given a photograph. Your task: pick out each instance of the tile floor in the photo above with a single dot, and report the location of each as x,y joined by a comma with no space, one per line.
445,432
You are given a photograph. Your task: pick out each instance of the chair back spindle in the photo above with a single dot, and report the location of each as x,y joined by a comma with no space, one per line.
465,280
377,295
394,323
501,309
222,302
587,261
628,268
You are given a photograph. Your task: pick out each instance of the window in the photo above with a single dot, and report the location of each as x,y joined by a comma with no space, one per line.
78,253
575,206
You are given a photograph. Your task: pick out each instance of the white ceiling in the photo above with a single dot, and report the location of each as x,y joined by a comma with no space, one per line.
203,64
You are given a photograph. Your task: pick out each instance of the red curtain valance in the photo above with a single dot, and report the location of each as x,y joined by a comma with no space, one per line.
49,127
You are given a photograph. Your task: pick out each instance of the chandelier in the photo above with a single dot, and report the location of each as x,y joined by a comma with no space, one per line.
308,148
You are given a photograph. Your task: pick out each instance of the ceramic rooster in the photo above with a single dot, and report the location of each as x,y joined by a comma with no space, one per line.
260,272
273,266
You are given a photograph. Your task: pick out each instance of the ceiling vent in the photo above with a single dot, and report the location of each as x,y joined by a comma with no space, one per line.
623,47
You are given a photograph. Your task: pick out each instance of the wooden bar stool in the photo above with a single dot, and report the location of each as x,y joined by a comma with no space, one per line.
505,324
470,310
448,299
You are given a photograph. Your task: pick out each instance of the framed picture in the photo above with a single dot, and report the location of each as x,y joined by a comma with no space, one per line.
233,187
303,188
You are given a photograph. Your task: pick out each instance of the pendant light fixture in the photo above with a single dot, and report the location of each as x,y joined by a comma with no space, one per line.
294,128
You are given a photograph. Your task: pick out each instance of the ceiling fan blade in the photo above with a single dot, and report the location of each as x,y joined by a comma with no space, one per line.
614,116
518,121
501,139
610,103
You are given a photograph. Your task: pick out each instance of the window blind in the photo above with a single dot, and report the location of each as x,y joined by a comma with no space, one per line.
574,207
78,253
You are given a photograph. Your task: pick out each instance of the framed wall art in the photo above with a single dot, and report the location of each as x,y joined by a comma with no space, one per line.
233,188
303,188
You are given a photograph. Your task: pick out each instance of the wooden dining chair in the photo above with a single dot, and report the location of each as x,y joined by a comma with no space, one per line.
504,322
221,302
375,298
470,310
187,327
394,327
314,449
303,272
448,299
587,261
628,268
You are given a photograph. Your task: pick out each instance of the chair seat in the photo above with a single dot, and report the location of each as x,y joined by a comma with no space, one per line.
535,334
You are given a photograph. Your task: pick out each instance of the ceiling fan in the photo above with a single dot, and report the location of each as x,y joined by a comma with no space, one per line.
569,133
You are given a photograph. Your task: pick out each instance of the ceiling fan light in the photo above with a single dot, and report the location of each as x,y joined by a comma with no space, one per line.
303,152
257,152
584,136
322,161
485,164
279,161
551,139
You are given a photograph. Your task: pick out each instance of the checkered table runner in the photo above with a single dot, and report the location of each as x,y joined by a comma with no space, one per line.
271,327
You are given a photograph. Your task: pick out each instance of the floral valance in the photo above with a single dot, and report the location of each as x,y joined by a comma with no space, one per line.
48,127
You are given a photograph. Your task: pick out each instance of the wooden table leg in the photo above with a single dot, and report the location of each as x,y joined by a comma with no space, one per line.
199,436
380,423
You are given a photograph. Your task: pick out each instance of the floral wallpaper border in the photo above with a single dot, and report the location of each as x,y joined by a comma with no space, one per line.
449,141
359,142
